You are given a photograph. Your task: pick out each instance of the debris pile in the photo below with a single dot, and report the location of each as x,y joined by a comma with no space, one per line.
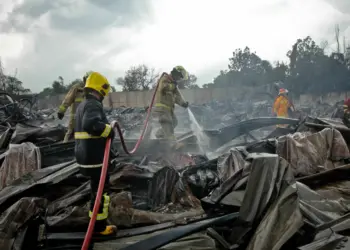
283,188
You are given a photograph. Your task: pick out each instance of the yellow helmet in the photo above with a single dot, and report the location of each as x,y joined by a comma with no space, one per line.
99,83
182,71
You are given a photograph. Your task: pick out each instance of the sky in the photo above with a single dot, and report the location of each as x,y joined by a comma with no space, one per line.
42,39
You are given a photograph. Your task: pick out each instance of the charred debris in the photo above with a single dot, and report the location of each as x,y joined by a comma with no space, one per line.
256,187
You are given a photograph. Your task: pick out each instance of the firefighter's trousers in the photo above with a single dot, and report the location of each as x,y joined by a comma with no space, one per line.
94,174
168,122
70,130
282,125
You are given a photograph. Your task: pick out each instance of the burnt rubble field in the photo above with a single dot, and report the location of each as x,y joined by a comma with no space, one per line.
252,186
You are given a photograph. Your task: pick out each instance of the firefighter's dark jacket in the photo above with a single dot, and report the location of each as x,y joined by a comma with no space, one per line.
91,132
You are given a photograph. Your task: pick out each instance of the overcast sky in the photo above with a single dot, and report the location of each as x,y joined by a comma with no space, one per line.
45,39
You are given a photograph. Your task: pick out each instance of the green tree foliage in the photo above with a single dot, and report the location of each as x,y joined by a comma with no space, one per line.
313,71
59,87
14,86
46,92
11,84
142,77
190,83
208,85
246,68
309,70
76,81
137,78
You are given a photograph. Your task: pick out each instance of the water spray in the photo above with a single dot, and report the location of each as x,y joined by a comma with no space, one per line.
202,138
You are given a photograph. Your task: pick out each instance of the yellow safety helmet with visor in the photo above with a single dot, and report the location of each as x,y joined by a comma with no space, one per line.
181,70
99,83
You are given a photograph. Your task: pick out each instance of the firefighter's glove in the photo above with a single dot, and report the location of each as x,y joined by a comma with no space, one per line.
185,105
60,115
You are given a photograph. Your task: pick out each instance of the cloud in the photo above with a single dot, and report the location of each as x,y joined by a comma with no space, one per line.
46,39
341,5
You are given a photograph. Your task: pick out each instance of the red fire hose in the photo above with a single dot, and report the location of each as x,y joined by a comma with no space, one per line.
101,185
114,124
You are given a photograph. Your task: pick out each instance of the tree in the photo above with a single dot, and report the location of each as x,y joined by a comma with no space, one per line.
194,86
76,81
245,61
246,68
11,84
208,85
278,73
14,86
61,80
311,70
137,78
58,88
190,83
46,92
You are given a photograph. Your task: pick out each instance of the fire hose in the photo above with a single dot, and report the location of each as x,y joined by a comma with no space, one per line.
114,124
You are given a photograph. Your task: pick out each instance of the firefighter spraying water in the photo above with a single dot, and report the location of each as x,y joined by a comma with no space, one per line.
167,95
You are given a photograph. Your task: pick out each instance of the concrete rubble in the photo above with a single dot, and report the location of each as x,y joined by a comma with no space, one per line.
256,187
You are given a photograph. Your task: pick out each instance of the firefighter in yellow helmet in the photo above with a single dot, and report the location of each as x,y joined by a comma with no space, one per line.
282,105
91,132
166,97
73,98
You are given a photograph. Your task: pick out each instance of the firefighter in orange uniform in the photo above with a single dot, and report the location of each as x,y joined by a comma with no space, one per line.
282,105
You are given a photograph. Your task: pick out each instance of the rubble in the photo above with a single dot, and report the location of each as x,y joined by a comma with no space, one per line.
257,187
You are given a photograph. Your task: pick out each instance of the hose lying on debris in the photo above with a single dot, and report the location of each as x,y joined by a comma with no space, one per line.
114,124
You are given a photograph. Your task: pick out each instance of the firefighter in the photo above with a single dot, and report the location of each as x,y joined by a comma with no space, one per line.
167,95
73,98
346,116
91,132
282,105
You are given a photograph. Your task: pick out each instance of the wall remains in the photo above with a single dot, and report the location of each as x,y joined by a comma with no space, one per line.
330,98
143,98
194,96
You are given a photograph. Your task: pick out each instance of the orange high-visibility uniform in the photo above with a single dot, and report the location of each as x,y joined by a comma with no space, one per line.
281,106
